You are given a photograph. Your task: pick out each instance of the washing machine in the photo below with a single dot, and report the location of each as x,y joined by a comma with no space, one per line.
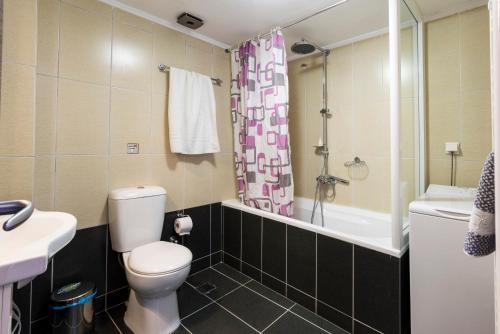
451,292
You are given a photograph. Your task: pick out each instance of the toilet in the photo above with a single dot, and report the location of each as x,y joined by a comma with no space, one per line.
155,269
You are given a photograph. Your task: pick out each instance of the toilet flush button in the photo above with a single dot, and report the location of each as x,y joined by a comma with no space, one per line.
133,148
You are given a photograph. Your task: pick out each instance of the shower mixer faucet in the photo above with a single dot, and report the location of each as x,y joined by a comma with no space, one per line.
330,179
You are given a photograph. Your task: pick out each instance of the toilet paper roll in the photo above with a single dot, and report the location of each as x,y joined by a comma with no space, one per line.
183,225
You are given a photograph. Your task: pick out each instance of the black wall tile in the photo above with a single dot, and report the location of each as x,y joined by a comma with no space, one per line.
232,232
274,284
250,271
405,294
376,289
168,226
335,317
274,248
362,329
83,259
40,294
301,259
335,273
301,298
216,221
116,272
199,239
41,326
232,261
251,239
199,265
22,299
117,297
216,258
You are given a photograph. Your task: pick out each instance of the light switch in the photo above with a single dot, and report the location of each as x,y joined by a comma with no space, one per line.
133,148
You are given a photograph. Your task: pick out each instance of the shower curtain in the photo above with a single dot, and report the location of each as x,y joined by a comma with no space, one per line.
259,107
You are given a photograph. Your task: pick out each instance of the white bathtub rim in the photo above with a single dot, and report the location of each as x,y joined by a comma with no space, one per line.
236,204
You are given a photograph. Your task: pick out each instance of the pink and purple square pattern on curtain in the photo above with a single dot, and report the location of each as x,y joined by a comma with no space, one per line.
259,107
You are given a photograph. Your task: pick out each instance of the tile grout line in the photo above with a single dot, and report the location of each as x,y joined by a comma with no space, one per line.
373,329
182,325
113,321
232,279
272,323
234,315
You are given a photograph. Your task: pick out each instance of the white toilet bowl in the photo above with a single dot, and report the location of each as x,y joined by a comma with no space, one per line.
154,272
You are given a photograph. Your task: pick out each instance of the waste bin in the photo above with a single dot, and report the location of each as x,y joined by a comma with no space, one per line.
72,308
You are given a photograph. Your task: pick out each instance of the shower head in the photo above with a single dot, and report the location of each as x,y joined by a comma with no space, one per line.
303,47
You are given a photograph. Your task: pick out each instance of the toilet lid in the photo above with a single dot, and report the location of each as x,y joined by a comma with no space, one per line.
159,258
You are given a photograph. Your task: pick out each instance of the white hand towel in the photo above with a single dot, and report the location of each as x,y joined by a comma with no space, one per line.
192,113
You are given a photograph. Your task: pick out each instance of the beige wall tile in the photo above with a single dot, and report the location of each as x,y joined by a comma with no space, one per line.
224,178
199,56
17,109
85,45
48,37
82,188
46,114
409,108
83,118
443,123
132,20
44,185
169,172
169,48
372,128
368,69
374,193
92,5
19,31
132,52
475,49
130,120
439,171
468,173
476,132
443,56
16,178
129,171
224,117
160,142
199,176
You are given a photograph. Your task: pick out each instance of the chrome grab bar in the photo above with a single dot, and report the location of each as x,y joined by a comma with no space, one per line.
21,211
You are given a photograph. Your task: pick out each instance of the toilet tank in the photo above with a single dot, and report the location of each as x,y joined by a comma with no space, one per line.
135,216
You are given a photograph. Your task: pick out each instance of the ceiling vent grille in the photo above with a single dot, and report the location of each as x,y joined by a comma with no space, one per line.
189,21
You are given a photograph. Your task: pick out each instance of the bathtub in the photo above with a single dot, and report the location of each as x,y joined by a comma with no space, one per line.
361,227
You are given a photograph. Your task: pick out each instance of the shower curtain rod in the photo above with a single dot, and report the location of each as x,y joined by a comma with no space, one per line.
259,36
166,68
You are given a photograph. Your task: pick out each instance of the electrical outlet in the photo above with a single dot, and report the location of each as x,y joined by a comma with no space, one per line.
133,148
452,147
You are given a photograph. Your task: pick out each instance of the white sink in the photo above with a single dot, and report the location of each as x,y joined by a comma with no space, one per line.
25,251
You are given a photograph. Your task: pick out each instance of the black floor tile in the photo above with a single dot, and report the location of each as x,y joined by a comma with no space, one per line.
292,324
116,313
274,248
104,324
213,319
300,298
181,330
190,300
232,231
271,294
301,259
40,294
216,258
334,316
232,273
222,284
317,320
41,326
335,273
362,329
252,308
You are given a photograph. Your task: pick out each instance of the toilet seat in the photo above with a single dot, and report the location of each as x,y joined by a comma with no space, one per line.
159,258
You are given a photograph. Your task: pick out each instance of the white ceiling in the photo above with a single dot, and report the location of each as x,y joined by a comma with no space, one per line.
228,22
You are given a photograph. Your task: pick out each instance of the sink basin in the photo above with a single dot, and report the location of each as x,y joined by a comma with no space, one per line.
25,251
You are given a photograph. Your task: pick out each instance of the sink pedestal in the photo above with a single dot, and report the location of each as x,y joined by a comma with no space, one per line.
5,308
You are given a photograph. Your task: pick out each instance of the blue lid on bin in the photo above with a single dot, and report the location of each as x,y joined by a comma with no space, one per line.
72,294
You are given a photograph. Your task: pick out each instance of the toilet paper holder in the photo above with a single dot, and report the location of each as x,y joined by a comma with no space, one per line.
183,224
